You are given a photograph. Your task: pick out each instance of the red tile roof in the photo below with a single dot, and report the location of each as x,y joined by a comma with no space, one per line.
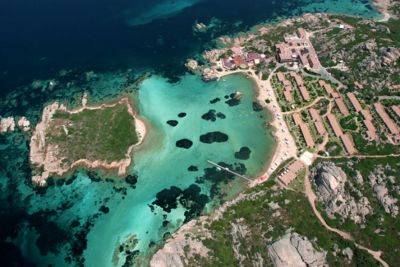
335,125
354,101
348,144
342,106
380,109
304,93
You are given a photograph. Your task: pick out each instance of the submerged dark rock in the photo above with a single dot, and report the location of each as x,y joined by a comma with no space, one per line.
172,123
243,153
215,100
104,209
193,168
213,137
210,115
190,198
233,99
221,115
167,198
193,201
257,107
182,115
218,177
184,143
131,180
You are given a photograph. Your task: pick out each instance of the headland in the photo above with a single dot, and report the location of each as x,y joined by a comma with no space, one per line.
102,136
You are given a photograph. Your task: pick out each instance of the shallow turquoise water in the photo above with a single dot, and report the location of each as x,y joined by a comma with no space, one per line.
161,164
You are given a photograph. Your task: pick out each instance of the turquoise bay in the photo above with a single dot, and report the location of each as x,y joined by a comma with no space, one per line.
160,164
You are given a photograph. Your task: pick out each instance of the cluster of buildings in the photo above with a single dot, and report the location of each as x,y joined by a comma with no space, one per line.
241,60
288,89
298,49
341,105
337,130
371,130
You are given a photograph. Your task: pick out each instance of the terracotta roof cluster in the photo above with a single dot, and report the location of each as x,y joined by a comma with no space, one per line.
304,129
348,144
390,124
318,123
371,130
287,90
337,97
298,48
291,172
239,59
300,85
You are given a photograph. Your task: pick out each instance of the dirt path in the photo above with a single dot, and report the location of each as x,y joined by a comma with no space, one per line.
358,156
312,198
305,107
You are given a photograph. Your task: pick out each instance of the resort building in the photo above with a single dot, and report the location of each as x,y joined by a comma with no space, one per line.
318,123
371,130
281,77
305,131
354,101
288,95
396,110
348,144
240,60
298,48
337,130
304,93
390,124
328,88
291,173
342,106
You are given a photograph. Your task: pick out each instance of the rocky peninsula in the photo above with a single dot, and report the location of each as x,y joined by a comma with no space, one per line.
102,136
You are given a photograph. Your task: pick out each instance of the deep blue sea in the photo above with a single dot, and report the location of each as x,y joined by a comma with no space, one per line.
40,38
101,47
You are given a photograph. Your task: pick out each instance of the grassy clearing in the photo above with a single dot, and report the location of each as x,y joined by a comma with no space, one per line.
101,134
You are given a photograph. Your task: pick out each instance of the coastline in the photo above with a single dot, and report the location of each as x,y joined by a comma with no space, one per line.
383,7
45,158
285,146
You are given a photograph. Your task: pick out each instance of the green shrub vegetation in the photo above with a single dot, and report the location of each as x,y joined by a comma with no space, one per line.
101,134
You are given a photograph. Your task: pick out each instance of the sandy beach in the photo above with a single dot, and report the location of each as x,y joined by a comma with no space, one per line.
285,145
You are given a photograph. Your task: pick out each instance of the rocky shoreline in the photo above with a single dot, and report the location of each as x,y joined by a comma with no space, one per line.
44,156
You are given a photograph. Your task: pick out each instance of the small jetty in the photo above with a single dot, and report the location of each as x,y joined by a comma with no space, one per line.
228,170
